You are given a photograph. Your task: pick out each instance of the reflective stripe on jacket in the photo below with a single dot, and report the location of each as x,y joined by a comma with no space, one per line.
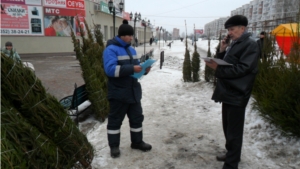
118,66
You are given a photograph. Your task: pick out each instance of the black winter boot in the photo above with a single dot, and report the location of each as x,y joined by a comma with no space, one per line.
114,152
142,146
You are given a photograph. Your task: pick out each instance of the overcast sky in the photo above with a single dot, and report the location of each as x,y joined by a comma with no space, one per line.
171,13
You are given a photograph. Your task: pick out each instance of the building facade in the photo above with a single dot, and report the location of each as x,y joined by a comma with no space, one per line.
44,26
215,28
263,15
175,34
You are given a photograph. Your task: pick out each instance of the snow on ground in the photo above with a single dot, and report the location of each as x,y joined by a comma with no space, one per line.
184,126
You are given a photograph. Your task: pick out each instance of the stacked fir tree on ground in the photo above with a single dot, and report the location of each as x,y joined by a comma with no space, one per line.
276,90
36,132
187,70
195,64
209,72
90,58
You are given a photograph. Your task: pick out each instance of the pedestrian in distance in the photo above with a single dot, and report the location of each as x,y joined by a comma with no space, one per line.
136,42
124,91
234,84
260,43
11,52
151,40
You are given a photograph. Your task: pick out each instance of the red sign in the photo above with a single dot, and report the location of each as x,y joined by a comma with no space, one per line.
199,31
82,25
56,3
126,16
15,16
63,12
13,1
21,20
75,4
59,17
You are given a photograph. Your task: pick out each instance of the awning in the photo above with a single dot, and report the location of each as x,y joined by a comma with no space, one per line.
286,35
289,29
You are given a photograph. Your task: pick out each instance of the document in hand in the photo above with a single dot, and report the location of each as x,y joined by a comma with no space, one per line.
145,65
218,61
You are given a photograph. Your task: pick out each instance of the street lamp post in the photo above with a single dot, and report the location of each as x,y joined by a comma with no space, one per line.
137,17
112,10
159,37
163,36
145,24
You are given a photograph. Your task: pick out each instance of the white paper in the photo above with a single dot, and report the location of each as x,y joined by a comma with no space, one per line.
218,61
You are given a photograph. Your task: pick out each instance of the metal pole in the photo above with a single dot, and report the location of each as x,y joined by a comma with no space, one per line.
134,33
163,36
114,21
145,40
159,40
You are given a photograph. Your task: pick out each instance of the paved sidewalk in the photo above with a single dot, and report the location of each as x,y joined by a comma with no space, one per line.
59,73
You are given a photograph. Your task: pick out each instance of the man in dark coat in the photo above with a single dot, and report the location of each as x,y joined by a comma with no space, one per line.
260,43
234,85
124,91
136,42
151,40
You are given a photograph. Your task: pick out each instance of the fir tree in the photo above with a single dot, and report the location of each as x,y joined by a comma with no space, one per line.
209,72
98,36
187,71
44,113
276,90
90,59
216,56
31,148
195,64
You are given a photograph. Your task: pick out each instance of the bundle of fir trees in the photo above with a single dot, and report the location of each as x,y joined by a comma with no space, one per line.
187,70
209,73
195,64
191,68
276,90
36,132
91,62
24,146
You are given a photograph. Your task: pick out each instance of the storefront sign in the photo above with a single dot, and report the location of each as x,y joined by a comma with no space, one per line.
77,4
23,2
55,3
105,9
60,17
63,11
199,31
19,19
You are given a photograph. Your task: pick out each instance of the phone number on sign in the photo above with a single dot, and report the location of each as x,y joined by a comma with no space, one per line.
13,31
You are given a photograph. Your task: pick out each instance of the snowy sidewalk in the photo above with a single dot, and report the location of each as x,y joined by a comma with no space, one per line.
184,127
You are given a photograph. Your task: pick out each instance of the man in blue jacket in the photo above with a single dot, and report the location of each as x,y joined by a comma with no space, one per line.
124,91
234,85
